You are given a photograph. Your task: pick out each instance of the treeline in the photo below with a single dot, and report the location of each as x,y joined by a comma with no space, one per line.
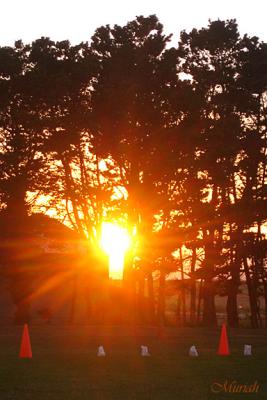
177,133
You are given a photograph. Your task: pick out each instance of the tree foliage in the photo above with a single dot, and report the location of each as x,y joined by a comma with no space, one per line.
171,140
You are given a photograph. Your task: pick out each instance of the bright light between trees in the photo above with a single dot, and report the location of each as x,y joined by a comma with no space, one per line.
115,241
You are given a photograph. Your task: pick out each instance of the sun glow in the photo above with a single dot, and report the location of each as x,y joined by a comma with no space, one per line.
115,241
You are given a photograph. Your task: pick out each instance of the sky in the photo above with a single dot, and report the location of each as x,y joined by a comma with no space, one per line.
76,20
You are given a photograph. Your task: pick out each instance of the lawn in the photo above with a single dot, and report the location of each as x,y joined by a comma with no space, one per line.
65,367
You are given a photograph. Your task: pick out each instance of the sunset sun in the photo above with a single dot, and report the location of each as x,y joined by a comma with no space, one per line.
115,241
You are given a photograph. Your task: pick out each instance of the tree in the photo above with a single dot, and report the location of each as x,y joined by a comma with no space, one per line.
215,57
131,110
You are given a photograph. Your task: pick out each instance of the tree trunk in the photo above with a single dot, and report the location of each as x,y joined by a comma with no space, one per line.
161,300
265,300
209,312
16,232
252,296
151,298
231,306
193,291
179,316
141,297
200,295
183,294
129,284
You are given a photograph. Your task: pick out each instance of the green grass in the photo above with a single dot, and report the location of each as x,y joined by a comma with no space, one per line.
65,367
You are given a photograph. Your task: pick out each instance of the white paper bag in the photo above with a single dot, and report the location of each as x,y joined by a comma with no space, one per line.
193,351
144,351
101,352
247,350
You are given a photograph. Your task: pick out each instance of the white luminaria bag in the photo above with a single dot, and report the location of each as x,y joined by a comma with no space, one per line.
193,351
101,352
247,350
144,351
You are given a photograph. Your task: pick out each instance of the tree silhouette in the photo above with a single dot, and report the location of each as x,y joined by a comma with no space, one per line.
180,133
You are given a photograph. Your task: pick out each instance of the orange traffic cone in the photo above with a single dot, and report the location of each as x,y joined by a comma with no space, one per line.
25,347
223,349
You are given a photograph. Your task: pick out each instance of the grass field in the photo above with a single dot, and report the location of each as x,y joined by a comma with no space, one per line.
65,367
